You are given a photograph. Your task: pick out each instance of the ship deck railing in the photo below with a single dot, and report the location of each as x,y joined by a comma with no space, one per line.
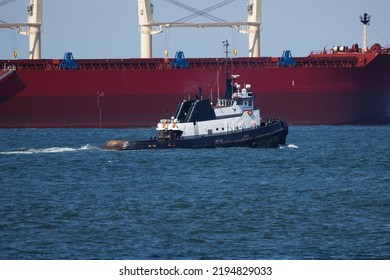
313,61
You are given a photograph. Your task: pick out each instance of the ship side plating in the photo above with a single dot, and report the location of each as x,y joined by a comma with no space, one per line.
324,88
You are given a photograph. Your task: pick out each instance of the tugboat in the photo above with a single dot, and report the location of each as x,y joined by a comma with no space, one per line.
233,122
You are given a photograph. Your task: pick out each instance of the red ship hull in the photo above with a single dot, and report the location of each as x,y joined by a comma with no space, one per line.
320,89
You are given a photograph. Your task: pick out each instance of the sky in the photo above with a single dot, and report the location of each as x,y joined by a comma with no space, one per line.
109,28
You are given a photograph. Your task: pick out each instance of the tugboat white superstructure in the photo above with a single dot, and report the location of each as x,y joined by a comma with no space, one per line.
196,118
233,122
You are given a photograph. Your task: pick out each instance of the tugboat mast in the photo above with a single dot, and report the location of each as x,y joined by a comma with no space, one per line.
228,86
226,45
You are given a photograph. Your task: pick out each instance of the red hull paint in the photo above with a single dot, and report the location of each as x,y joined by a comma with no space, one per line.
137,93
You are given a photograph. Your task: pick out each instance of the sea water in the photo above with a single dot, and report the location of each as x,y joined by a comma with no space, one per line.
324,195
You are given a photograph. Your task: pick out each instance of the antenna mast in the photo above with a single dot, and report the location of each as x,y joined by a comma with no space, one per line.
365,19
226,45
228,87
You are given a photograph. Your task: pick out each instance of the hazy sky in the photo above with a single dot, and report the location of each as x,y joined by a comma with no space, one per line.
109,29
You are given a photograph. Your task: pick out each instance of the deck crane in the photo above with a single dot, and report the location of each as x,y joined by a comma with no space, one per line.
148,27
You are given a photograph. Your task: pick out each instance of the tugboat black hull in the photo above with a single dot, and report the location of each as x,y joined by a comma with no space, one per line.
269,135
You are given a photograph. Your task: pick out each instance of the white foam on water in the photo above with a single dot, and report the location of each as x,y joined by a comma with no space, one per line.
48,150
88,147
289,146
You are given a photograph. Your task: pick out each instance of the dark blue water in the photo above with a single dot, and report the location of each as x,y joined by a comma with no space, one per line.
326,195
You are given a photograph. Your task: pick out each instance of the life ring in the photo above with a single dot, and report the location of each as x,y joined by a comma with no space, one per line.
250,112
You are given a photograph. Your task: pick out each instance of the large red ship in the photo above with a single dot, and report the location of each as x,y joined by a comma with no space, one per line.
338,86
